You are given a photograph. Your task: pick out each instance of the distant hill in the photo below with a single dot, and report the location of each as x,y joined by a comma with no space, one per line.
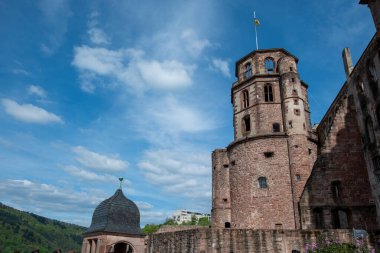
23,232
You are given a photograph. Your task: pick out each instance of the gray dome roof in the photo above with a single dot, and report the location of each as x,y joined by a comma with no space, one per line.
116,214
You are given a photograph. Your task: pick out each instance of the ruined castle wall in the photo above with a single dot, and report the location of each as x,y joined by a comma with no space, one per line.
220,213
239,240
338,194
252,206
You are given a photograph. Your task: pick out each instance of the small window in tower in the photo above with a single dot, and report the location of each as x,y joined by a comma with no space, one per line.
233,163
245,99
297,112
293,80
310,151
247,123
290,124
268,93
263,182
291,68
225,200
227,225
294,92
304,126
269,65
276,127
248,70
214,167
336,190
295,101
225,165
268,154
298,177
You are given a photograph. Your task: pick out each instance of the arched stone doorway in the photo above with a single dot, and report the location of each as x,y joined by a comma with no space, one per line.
122,247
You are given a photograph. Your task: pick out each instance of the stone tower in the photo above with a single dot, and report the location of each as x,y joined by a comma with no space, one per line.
259,178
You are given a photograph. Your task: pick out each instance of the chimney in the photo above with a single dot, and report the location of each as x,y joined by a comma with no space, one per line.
346,54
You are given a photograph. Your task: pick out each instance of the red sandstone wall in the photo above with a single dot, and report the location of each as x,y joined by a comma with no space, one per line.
220,213
239,240
252,207
341,159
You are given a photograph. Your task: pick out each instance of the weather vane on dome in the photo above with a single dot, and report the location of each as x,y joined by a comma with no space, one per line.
256,22
121,180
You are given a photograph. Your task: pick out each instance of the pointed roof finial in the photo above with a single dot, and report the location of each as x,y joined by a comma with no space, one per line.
120,183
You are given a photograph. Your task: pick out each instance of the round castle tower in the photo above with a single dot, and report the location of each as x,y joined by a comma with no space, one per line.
259,177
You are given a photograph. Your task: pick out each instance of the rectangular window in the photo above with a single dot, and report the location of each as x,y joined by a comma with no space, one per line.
295,101
297,112
293,80
290,124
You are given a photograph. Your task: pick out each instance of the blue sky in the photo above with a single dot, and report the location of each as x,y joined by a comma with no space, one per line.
94,90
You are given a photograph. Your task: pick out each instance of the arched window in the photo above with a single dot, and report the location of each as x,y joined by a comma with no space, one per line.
336,190
369,130
318,217
276,127
268,93
227,225
247,124
245,99
263,182
248,70
269,65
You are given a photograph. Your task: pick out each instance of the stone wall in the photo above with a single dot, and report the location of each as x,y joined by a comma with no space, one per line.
239,240
338,193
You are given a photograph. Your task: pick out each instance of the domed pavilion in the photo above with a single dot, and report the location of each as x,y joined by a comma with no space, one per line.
115,227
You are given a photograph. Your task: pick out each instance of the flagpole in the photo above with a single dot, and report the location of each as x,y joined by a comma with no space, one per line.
257,42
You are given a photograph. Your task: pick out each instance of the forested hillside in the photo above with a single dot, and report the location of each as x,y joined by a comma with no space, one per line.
23,232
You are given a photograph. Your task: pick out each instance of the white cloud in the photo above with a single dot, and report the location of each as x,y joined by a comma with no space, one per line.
184,173
130,68
36,90
194,45
88,175
97,161
29,113
27,193
221,66
144,205
98,36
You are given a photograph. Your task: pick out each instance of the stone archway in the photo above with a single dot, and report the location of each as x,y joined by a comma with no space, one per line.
122,247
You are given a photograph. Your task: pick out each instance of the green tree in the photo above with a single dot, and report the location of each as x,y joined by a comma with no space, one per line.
169,221
151,228
204,221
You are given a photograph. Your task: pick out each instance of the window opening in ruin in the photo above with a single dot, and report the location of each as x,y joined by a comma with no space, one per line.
268,154
336,190
245,99
225,165
318,218
232,163
310,151
278,226
247,123
295,101
297,112
340,218
290,124
376,167
214,167
276,127
269,65
298,177
227,225
224,200
304,126
369,131
263,182
291,68
294,92
293,80
268,93
248,70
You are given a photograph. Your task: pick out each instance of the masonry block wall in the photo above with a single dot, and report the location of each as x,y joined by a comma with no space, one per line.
338,194
270,158
239,240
